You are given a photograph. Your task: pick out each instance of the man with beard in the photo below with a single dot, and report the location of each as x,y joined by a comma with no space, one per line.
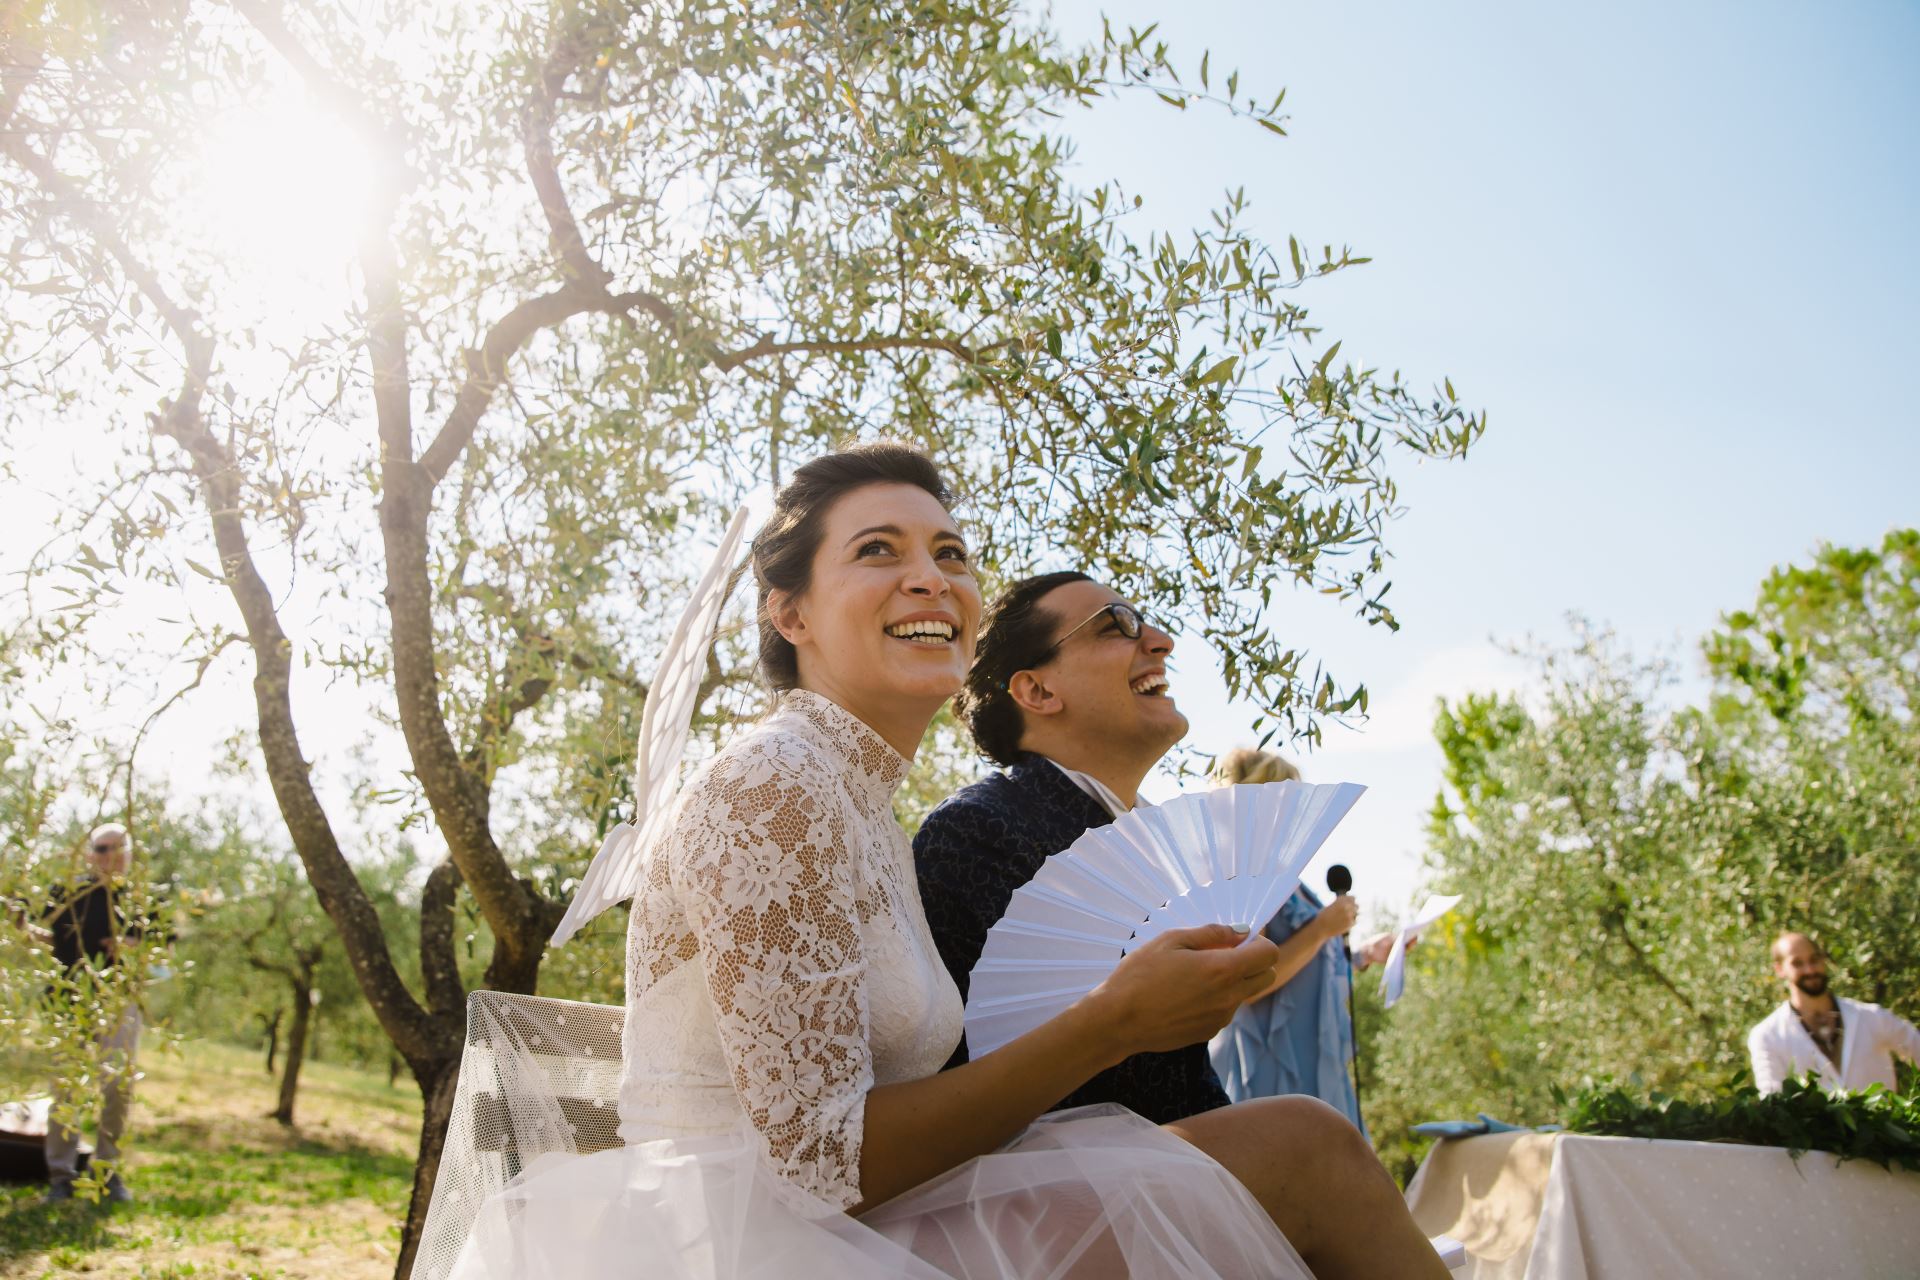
1846,1044
1069,691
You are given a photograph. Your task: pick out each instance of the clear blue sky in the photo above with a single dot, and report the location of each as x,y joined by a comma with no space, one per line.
1675,251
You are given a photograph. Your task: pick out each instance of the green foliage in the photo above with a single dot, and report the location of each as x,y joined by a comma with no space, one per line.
222,1190
226,911
826,222
616,267
1812,739
249,935
1875,1124
1825,645
51,1018
1627,861
1484,1056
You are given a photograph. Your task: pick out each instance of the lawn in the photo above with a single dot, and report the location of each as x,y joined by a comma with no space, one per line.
223,1191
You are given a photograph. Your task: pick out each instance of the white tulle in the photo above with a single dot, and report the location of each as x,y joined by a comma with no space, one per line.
779,967
1097,1192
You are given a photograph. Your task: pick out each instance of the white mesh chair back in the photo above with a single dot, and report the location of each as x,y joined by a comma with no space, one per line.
537,1077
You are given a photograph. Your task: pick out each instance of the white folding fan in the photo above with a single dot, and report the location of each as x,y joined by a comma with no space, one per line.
1228,856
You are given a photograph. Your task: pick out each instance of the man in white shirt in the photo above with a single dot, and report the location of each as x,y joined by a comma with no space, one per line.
1846,1044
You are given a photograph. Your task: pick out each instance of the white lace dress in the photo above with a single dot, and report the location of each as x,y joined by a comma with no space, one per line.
779,967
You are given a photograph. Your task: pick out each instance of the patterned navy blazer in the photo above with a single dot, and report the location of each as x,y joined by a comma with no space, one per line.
983,843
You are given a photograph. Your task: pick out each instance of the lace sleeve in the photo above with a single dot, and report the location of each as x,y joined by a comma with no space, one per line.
762,866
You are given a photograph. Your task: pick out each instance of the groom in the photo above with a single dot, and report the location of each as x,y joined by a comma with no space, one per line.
1069,691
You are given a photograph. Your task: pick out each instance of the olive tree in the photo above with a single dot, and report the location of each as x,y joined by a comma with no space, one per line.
615,265
1628,859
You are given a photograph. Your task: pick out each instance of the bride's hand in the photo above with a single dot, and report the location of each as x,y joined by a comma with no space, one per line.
1181,987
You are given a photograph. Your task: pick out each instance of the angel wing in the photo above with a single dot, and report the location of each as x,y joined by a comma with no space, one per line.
614,875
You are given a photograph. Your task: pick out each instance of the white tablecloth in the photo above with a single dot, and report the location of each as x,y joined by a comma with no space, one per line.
1570,1207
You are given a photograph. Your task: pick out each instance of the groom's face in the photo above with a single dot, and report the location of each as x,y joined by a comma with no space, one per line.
1108,684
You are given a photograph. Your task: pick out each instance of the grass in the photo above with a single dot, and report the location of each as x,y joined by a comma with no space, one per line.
225,1193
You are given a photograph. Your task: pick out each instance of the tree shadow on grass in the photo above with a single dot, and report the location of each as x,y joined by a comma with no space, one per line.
307,1171
28,1226
186,1185
209,1149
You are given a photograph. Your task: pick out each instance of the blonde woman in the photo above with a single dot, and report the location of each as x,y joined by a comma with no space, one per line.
1297,1035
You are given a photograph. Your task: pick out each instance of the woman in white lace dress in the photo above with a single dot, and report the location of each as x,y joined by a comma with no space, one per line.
787,1013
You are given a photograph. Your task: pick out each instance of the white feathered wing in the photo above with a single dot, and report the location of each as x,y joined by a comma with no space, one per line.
614,875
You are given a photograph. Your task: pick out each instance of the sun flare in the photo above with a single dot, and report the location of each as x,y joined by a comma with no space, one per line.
285,188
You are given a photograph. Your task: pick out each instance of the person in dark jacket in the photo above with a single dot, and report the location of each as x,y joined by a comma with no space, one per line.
87,925
1069,691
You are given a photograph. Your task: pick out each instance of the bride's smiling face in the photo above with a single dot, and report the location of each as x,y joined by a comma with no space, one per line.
893,608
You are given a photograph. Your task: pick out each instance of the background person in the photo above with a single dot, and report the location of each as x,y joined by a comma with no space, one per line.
1297,1035
88,926
1846,1044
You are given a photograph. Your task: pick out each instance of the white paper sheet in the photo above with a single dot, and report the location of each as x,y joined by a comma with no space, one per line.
1393,980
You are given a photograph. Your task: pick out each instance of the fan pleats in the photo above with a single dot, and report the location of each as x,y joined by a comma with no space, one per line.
1228,856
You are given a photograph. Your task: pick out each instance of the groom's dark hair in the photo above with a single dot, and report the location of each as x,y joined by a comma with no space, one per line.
783,549
1013,632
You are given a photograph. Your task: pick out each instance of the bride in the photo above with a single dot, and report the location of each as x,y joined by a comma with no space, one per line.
781,1102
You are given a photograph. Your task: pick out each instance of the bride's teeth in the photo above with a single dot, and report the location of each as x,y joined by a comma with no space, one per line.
938,632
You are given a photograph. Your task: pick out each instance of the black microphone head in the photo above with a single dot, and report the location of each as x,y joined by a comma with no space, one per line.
1339,879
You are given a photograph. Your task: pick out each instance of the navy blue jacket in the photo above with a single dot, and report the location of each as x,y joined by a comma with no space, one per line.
983,843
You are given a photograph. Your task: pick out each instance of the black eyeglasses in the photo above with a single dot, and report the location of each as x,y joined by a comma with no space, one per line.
1126,618
105,847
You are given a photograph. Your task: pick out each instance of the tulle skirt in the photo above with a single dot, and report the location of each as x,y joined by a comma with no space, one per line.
1095,1192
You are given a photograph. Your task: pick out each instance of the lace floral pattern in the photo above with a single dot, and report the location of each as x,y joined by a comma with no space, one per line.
788,882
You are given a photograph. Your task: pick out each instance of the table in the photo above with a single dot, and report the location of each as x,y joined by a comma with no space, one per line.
1532,1206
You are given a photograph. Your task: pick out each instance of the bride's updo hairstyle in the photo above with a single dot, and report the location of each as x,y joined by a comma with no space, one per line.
783,550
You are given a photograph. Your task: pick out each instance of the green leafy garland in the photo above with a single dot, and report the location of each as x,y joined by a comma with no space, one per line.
1876,1124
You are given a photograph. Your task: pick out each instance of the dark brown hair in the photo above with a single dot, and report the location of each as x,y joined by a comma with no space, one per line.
1013,631
783,549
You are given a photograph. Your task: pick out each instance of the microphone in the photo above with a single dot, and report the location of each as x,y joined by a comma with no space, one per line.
1339,881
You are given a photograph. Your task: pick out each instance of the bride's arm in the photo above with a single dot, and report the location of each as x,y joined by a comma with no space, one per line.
1173,992
759,859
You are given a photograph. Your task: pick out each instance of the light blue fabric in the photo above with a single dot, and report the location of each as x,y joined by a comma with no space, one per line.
1300,1038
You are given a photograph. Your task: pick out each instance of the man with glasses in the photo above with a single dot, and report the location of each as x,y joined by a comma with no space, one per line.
87,926
1068,691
